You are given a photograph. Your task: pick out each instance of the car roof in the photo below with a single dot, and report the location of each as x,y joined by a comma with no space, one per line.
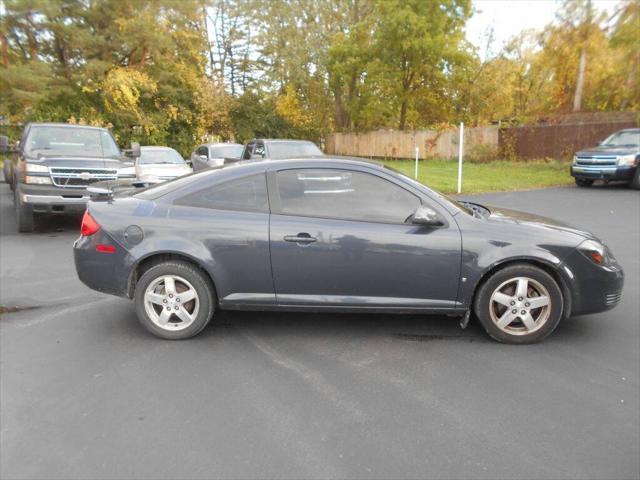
67,125
302,162
156,147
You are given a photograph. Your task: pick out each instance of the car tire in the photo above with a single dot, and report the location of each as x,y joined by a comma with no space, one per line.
581,182
635,182
24,214
507,307
161,310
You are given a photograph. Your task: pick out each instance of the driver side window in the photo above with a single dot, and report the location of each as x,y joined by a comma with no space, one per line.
344,195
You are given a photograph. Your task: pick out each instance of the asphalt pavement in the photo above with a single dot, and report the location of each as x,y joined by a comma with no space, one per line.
85,392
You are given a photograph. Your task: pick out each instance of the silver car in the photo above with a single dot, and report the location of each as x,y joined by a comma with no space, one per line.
159,164
215,155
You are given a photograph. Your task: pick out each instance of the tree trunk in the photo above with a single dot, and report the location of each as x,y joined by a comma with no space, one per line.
403,114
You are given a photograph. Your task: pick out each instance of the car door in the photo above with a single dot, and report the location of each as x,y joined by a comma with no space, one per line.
339,237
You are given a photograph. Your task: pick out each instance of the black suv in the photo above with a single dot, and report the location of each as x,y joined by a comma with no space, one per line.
272,149
55,164
616,158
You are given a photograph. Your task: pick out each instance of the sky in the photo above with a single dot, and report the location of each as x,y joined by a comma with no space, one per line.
510,17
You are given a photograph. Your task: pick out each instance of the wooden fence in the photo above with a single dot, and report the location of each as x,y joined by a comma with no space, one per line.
402,144
559,141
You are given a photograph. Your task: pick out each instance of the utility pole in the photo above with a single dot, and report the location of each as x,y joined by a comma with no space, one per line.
577,99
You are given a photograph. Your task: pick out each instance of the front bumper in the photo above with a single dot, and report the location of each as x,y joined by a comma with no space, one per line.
51,199
603,172
594,288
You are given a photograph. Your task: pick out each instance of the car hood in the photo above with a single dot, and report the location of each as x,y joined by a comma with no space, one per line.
608,150
536,222
78,162
162,170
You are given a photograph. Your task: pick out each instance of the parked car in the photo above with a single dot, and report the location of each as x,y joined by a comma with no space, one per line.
159,164
272,149
336,235
215,155
616,158
54,165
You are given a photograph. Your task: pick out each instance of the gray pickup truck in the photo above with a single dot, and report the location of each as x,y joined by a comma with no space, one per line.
51,167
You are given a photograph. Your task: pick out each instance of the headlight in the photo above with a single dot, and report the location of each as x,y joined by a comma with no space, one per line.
628,160
34,167
594,251
37,180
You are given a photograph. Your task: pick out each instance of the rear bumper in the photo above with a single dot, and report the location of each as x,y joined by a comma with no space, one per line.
102,271
603,172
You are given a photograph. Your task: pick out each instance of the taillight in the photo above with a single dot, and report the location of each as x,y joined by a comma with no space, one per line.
89,225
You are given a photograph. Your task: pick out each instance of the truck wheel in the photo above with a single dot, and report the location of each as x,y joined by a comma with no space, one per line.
581,182
174,300
635,183
24,215
519,304
6,170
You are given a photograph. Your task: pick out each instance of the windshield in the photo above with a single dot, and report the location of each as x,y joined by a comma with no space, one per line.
71,141
226,151
624,139
293,150
157,155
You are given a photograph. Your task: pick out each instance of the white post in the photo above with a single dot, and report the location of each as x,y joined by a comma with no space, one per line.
417,154
460,149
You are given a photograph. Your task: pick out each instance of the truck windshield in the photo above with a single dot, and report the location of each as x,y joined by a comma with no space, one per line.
226,151
293,150
72,141
624,139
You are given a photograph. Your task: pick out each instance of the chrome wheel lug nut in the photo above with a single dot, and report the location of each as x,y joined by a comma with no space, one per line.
164,300
177,299
168,308
171,296
524,312
512,302
177,307
527,304
514,311
519,299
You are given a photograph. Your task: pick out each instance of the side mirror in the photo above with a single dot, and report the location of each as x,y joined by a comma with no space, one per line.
5,147
203,158
427,216
134,151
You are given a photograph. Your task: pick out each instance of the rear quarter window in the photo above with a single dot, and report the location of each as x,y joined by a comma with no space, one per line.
248,194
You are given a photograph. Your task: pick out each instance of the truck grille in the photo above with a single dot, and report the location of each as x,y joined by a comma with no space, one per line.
81,177
599,160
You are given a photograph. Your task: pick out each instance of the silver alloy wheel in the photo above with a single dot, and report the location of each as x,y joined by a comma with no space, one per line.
520,306
171,302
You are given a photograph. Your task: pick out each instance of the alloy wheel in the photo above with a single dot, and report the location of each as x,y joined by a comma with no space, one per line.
520,306
171,302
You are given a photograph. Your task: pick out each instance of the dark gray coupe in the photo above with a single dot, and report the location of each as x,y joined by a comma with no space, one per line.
336,235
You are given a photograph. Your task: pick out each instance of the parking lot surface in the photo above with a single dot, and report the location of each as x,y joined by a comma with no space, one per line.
87,393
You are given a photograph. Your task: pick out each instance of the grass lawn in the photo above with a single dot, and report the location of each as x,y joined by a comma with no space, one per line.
486,177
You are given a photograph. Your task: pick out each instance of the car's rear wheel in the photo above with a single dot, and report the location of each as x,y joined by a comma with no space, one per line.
174,300
581,182
519,304
24,214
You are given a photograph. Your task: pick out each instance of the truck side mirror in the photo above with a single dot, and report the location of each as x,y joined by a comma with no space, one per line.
5,147
134,151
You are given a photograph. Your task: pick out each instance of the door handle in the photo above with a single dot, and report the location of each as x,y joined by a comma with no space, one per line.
300,238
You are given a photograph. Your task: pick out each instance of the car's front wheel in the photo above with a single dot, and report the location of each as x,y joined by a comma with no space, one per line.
635,182
581,182
24,214
519,304
174,300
